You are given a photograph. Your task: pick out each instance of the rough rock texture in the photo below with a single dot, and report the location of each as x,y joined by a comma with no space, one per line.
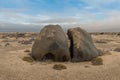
82,47
51,44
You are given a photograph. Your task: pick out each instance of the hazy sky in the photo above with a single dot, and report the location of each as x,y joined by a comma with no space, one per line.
92,15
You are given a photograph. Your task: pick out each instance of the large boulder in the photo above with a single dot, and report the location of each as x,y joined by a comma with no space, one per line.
82,47
51,44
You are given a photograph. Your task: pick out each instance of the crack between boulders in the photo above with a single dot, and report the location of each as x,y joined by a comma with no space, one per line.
71,44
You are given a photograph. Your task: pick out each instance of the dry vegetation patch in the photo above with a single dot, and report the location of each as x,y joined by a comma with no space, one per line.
117,49
7,44
28,59
100,42
27,50
97,61
59,67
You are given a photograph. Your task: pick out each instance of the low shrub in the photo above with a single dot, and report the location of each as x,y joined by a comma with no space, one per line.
117,49
27,51
86,66
97,61
28,59
59,67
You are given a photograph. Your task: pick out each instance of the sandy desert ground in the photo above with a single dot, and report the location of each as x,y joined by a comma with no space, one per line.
12,67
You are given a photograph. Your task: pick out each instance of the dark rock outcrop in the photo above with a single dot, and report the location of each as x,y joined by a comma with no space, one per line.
51,44
82,47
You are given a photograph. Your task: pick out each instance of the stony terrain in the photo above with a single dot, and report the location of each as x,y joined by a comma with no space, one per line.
12,66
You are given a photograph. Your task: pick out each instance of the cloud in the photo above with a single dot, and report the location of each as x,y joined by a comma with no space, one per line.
85,20
100,4
110,23
93,15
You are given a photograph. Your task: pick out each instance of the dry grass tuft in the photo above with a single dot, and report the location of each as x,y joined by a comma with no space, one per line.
28,59
117,49
87,66
59,67
97,61
7,44
27,51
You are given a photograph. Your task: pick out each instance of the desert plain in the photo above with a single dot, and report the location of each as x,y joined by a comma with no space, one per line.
13,67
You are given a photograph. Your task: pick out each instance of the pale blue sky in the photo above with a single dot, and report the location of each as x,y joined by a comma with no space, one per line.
93,15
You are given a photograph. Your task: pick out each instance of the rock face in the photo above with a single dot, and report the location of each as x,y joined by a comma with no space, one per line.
51,44
82,47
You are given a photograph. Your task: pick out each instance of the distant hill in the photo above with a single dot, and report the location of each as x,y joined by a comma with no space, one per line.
38,28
